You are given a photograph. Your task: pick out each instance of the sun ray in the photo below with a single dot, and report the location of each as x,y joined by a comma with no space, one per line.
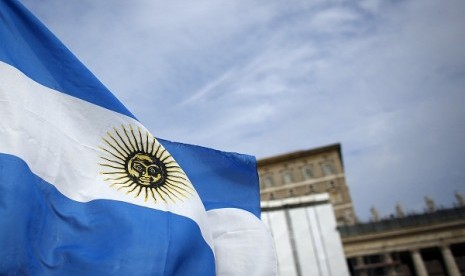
174,169
112,154
165,157
120,183
156,152
110,166
171,162
180,188
127,186
135,187
138,193
147,141
141,142
179,178
129,139
122,140
113,173
113,161
176,193
167,193
153,196
117,178
113,147
153,146
177,173
182,183
117,143
146,194
162,152
135,139
158,193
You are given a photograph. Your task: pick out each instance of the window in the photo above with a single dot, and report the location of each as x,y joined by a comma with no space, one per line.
336,198
267,181
327,168
287,177
307,172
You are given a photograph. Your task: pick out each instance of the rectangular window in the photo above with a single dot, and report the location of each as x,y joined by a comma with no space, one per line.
287,177
336,197
307,172
327,168
267,181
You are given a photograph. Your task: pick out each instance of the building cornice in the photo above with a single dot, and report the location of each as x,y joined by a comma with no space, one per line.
302,183
300,154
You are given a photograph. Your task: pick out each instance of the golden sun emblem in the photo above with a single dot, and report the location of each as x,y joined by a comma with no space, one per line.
137,163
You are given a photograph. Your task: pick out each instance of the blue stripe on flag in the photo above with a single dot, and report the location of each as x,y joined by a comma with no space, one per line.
28,45
222,180
43,232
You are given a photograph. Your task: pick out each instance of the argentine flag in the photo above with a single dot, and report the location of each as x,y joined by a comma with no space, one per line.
86,189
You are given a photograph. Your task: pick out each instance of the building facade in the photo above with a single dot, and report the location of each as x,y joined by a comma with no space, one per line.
432,243
305,234
308,172
304,197
302,224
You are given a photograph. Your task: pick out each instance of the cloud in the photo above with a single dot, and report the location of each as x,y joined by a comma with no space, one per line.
385,78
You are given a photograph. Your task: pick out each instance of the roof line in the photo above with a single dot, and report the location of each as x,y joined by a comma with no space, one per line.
300,154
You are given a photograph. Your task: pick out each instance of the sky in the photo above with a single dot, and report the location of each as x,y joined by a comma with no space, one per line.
385,78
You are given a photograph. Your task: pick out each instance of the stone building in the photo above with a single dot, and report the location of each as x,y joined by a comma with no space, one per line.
314,171
293,186
304,197
431,243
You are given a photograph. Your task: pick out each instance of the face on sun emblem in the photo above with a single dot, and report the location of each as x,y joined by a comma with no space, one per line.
138,164
144,169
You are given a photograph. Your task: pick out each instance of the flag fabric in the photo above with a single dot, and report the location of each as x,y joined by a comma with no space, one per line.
86,189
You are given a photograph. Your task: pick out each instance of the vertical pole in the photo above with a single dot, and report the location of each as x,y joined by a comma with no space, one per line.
420,267
449,260
390,270
360,263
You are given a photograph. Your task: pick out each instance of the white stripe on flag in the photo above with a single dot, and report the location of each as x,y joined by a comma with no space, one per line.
59,137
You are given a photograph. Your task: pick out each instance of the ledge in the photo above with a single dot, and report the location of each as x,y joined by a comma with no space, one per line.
294,202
